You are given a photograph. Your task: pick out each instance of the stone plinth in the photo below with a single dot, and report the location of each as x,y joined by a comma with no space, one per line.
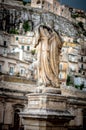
46,111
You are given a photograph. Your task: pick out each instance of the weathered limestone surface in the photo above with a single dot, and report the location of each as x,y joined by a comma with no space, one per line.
76,103
72,92
46,111
48,45
36,16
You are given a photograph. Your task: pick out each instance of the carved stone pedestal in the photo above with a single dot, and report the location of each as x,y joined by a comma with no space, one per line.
46,111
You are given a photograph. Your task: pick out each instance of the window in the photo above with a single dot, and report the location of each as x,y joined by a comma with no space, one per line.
79,70
83,73
48,6
60,66
42,2
81,59
4,51
4,43
0,68
11,70
60,76
2,0
62,10
38,2
82,49
62,50
22,71
28,47
17,38
81,66
16,119
22,47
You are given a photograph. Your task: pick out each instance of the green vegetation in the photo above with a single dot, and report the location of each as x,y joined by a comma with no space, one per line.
26,26
75,15
79,86
33,52
81,25
75,40
84,33
69,81
13,31
24,3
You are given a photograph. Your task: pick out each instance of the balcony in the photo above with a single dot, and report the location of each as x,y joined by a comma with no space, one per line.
28,59
82,69
72,70
14,56
83,61
73,60
4,46
15,79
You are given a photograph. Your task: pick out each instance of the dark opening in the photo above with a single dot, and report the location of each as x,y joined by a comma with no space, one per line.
81,66
38,2
2,0
82,59
4,43
16,120
84,120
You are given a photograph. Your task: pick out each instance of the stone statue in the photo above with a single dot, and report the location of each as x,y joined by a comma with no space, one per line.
48,45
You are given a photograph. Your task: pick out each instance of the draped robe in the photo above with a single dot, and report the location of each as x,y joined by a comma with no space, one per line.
48,46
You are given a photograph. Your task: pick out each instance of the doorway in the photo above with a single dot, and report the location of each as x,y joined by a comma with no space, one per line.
16,119
84,119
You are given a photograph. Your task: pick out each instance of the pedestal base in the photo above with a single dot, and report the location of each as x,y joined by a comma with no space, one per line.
46,111
43,125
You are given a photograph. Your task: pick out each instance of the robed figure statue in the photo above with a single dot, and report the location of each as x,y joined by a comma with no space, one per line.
48,45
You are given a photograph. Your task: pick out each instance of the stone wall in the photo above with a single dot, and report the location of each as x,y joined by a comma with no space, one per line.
37,16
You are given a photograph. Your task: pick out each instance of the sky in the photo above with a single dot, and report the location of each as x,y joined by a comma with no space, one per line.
79,4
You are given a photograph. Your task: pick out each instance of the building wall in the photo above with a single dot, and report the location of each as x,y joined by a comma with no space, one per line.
7,113
14,2
49,5
1,113
13,67
69,60
17,54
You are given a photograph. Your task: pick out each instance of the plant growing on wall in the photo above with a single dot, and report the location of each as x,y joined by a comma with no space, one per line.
69,81
81,25
74,15
26,1
13,31
26,26
84,33
33,52
79,86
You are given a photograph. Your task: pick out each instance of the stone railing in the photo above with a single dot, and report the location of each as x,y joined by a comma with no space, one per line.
72,92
